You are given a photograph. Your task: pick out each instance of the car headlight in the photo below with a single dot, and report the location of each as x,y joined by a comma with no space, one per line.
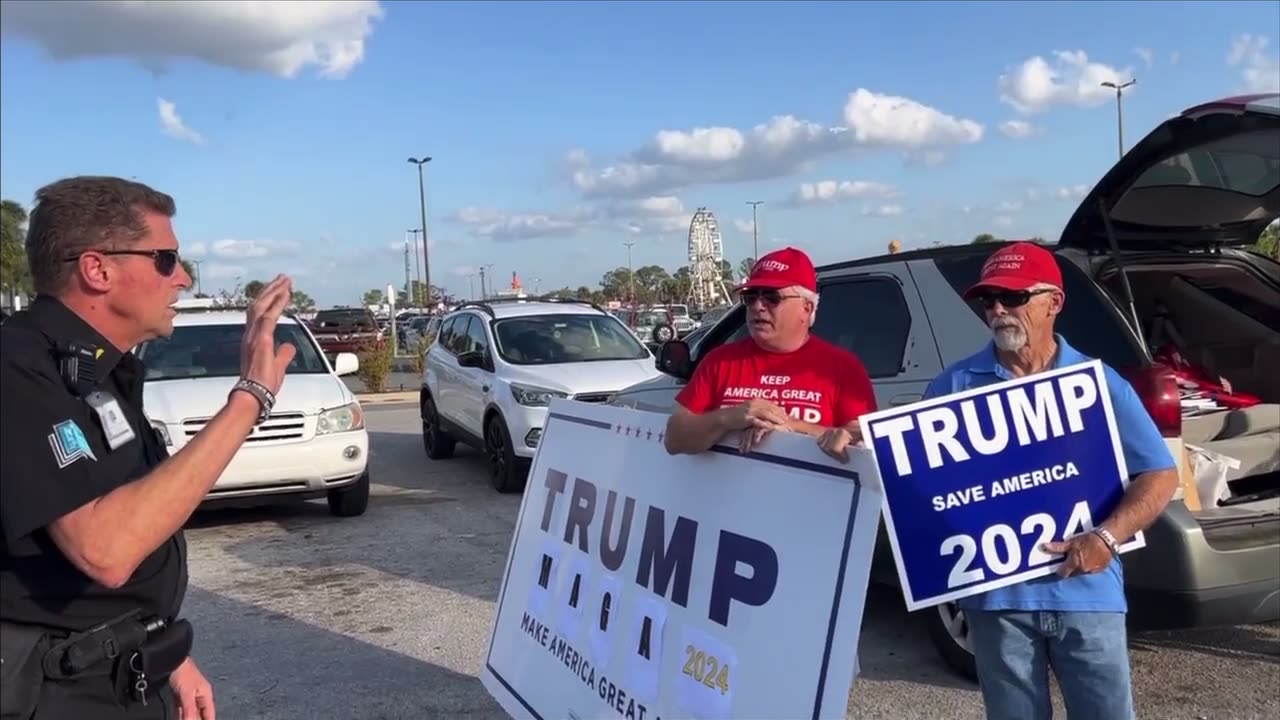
163,432
534,396
340,419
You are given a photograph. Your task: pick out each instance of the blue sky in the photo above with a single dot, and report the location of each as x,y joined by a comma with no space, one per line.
559,131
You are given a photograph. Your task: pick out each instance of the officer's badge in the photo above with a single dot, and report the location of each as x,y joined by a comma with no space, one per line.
69,443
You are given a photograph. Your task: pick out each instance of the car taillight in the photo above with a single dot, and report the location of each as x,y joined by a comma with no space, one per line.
1157,386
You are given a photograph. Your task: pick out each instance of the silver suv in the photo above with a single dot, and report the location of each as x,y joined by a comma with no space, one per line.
1158,240
494,367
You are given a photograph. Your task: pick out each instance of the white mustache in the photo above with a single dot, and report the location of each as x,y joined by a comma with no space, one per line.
1002,323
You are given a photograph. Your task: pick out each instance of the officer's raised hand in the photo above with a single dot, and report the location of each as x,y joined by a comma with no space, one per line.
261,360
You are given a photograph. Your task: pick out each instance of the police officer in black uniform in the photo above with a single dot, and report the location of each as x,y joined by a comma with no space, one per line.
92,556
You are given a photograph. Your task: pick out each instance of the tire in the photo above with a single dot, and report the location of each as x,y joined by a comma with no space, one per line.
663,333
436,442
949,632
351,500
505,471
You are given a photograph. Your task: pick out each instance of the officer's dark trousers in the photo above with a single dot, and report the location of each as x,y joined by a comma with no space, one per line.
94,698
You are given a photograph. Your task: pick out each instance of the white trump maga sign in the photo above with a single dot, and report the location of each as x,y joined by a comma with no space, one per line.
645,586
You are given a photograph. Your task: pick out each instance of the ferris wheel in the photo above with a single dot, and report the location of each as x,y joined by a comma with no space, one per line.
706,257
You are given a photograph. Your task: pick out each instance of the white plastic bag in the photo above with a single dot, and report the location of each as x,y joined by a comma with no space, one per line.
1210,471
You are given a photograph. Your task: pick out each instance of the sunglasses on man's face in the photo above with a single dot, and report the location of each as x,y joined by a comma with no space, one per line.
1009,298
771,298
166,261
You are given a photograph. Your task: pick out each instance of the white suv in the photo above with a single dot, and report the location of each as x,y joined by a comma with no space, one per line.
314,443
495,366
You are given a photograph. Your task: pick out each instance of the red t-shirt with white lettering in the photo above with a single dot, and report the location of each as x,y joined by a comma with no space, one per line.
820,383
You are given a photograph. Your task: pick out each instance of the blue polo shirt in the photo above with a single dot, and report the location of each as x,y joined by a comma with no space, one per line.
1144,451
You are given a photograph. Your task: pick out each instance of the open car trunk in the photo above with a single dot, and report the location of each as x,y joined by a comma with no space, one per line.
1223,317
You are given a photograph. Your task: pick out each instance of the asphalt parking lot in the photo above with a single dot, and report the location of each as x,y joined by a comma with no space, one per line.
301,615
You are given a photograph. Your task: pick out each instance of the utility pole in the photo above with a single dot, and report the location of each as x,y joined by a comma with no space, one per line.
631,276
483,295
755,236
422,208
413,298
471,280
408,282
1120,109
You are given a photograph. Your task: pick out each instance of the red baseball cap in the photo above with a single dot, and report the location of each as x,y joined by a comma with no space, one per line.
782,268
1018,267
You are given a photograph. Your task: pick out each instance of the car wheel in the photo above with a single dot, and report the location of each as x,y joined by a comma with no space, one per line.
663,333
949,631
351,500
436,442
505,473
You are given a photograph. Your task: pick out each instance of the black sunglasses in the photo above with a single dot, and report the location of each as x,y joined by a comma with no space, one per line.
166,260
772,298
1009,298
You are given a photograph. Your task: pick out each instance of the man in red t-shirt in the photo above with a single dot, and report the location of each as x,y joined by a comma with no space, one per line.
780,378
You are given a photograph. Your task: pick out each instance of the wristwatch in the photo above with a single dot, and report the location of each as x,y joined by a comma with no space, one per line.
266,399
1109,539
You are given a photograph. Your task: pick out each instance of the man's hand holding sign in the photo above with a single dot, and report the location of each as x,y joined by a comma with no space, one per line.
1014,487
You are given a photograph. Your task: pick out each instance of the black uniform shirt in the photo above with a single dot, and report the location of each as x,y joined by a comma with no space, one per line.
54,458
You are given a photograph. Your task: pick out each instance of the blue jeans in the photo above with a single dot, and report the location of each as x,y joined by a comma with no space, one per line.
1088,651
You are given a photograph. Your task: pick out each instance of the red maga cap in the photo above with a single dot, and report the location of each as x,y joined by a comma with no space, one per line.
782,268
1018,267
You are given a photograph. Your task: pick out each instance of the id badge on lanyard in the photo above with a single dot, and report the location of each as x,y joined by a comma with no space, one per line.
114,423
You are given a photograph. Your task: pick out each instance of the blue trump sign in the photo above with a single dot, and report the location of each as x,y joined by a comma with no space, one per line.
975,483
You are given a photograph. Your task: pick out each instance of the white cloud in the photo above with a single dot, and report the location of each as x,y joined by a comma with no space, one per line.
1002,221
1072,192
743,225
779,147
883,211
1260,69
832,191
505,226
1017,129
221,271
173,124
232,249
1174,57
1146,54
894,121
1009,206
1071,79
280,38
653,215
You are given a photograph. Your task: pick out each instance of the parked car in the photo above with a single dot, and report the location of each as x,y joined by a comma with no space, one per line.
313,444
346,330
681,322
495,366
1166,228
652,326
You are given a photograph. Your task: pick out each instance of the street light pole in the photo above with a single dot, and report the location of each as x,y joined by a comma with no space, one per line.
422,208
413,296
755,235
631,276
1119,109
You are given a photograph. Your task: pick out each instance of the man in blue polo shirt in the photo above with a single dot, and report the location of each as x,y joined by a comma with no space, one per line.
1074,621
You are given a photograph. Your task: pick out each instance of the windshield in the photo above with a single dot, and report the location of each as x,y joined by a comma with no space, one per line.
680,311
333,319
198,351
550,339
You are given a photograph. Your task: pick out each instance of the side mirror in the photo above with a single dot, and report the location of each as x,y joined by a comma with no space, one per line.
674,358
346,363
473,359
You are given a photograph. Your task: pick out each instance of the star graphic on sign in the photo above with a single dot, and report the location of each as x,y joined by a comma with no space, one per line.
617,429
628,431
648,434
660,436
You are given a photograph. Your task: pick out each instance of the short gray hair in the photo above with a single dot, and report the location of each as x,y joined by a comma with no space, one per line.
809,295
